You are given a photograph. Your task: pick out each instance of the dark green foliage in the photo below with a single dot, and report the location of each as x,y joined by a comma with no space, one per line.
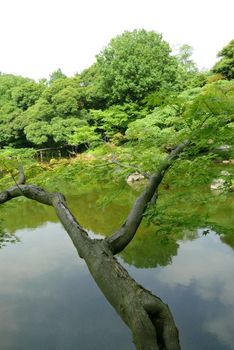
225,65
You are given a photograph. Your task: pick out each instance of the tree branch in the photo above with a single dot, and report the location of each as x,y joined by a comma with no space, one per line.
22,178
56,200
150,320
120,239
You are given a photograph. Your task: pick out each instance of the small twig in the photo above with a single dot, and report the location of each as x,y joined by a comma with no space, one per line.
21,179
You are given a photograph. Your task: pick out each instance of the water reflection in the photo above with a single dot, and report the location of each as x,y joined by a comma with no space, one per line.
49,301
205,268
150,250
85,207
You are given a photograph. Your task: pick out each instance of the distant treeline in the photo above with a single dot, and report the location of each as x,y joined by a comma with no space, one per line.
135,91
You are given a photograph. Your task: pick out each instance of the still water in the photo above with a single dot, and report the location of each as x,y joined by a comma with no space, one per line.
48,300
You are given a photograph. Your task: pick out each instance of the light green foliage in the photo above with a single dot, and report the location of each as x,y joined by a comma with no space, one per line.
116,118
65,102
188,186
131,96
34,123
162,127
134,64
65,95
184,58
63,129
84,135
7,83
109,120
11,159
27,94
41,111
20,154
57,74
188,75
225,65
211,115
53,88
37,132
188,95
91,93
66,98
203,115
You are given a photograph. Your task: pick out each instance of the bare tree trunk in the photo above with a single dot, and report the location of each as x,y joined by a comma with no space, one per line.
149,319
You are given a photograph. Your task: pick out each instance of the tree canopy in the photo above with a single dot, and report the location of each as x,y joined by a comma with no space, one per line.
134,64
136,90
225,65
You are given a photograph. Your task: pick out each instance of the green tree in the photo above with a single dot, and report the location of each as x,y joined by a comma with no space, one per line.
37,132
92,95
57,74
188,75
66,96
7,83
225,65
8,132
63,129
84,135
160,128
27,94
17,94
66,101
134,64
114,119
184,58
197,114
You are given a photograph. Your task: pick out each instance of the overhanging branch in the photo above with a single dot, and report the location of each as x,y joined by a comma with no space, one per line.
150,320
54,199
120,239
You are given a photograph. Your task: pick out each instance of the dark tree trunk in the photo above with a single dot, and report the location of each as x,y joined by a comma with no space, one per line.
149,319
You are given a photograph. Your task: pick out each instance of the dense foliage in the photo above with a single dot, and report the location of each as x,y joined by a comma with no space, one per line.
137,97
135,64
225,65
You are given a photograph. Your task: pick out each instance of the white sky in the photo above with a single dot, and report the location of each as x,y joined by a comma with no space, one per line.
40,36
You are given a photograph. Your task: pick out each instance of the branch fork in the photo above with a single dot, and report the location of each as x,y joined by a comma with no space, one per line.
150,320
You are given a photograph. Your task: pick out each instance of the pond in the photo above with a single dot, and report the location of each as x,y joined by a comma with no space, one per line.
49,301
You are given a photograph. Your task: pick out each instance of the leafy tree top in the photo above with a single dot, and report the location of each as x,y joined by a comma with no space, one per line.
134,64
184,58
57,74
225,65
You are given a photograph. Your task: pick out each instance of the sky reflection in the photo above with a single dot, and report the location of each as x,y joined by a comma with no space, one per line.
205,268
48,300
